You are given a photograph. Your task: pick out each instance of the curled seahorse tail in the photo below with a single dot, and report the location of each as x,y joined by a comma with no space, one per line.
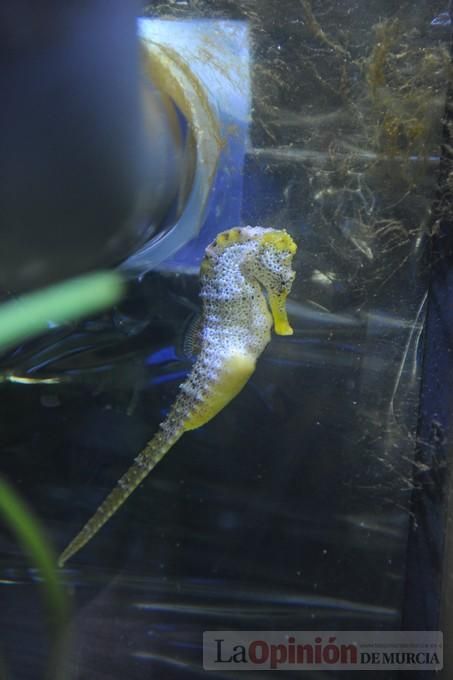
144,463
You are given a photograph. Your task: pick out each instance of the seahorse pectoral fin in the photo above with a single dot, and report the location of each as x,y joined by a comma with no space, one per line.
233,376
277,304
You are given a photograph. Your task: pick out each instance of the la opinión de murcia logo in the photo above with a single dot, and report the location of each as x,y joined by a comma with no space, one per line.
286,650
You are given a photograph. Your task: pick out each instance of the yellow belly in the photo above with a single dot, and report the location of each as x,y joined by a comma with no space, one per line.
235,374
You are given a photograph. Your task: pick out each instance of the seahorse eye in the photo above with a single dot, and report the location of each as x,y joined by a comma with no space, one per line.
287,280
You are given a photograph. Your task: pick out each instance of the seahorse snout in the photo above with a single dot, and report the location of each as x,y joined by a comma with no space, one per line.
277,304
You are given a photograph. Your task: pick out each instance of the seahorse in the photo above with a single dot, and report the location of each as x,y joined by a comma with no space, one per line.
246,276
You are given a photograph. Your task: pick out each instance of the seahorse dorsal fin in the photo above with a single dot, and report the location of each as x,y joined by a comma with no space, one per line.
191,336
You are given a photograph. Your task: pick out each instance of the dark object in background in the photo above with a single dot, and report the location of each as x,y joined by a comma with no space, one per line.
84,178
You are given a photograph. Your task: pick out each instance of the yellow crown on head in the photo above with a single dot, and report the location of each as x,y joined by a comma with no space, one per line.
280,240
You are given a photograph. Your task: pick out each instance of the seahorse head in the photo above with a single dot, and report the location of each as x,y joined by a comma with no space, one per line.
266,256
272,267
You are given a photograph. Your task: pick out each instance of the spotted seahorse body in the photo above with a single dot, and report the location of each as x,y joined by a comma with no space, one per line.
246,276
